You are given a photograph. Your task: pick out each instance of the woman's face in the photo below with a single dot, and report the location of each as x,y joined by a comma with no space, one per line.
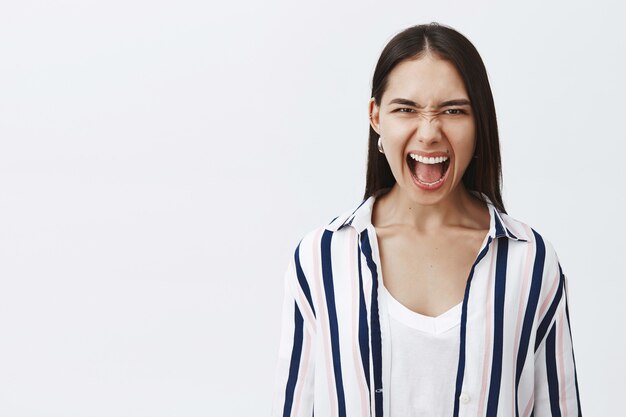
415,121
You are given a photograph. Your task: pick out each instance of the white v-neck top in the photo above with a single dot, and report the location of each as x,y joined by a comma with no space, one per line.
424,357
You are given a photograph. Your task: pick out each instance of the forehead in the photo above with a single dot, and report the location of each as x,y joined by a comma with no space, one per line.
424,79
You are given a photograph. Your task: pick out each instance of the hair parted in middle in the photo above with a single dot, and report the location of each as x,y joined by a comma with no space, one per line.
484,173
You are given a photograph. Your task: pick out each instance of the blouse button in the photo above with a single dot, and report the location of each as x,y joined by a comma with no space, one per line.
465,398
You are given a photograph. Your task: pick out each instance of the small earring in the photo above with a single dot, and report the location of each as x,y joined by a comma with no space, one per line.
380,145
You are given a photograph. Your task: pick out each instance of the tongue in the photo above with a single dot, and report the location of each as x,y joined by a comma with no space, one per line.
428,172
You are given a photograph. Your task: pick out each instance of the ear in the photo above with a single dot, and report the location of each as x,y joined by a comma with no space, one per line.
374,112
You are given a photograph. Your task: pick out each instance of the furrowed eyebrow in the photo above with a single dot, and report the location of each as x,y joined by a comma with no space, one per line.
454,102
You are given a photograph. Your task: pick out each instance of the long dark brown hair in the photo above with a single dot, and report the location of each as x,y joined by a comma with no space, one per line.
484,173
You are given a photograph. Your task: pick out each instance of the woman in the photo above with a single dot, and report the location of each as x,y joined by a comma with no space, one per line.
427,299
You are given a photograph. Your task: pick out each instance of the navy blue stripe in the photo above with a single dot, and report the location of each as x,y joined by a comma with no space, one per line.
302,279
363,327
543,326
461,367
360,204
553,380
531,310
351,217
294,365
346,223
513,236
375,323
569,327
327,276
498,328
499,227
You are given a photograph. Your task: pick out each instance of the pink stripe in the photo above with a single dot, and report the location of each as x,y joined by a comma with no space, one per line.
549,297
356,353
527,409
559,354
489,319
520,308
302,372
323,322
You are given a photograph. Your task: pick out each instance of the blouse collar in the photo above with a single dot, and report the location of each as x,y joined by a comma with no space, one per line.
500,224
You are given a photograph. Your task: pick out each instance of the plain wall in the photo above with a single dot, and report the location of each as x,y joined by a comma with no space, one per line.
159,161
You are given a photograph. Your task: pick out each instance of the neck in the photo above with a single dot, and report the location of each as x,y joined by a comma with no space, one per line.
458,208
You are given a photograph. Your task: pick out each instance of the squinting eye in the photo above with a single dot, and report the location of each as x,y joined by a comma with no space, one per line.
457,110
404,108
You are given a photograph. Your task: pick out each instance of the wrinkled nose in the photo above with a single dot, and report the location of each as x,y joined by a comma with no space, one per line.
428,130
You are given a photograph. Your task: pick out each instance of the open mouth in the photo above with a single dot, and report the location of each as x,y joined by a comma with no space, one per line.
428,171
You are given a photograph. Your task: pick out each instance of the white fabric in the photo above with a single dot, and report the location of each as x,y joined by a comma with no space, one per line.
424,355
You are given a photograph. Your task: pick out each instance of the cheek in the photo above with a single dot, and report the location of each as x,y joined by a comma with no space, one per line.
463,142
394,150
398,129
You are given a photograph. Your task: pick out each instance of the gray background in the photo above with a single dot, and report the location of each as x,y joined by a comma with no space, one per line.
159,162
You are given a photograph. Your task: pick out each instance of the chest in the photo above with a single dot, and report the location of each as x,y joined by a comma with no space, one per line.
428,274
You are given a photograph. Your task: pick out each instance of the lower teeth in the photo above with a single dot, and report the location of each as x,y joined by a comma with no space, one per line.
428,183
440,180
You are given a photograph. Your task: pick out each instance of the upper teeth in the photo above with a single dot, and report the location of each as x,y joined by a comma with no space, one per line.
428,160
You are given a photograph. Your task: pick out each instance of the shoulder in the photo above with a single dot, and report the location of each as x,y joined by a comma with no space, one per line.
539,260
318,241
337,223
525,231
529,233
334,229
538,252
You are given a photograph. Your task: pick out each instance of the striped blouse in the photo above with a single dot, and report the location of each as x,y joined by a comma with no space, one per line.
515,358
